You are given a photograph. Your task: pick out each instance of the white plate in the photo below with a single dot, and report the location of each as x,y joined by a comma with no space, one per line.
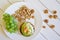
38,22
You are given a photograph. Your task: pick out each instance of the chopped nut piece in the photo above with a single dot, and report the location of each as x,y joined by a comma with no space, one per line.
44,26
32,16
32,11
45,11
46,20
55,16
50,16
52,26
54,11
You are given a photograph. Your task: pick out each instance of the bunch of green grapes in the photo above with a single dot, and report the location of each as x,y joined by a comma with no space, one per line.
11,23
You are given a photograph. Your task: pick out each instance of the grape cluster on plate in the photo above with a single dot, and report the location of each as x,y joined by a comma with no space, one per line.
10,22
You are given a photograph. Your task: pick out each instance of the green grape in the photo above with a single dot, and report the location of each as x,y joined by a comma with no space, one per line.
11,30
11,24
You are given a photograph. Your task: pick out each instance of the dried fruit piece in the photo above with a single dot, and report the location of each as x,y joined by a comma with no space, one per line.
45,11
52,26
46,20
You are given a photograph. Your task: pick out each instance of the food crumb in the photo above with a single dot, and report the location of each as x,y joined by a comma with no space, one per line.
45,11
55,16
46,20
50,16
43,26
52,26
54,11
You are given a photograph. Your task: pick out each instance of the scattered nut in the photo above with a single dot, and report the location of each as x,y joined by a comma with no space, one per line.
54,11
55,16
32,11
50,16
52,26
45,11
43,26
46,20
32,16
